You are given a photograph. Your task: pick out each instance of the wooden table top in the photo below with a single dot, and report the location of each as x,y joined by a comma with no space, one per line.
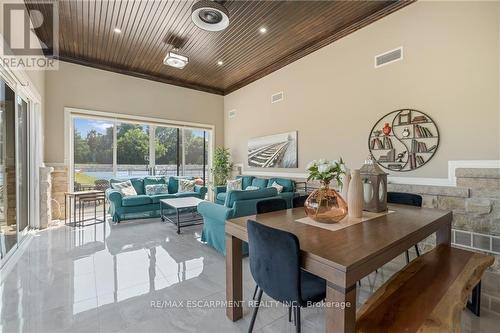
350,247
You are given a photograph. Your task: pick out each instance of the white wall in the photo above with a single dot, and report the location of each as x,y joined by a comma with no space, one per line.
92,89
333,96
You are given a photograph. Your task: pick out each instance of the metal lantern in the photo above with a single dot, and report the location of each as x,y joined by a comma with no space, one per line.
374,187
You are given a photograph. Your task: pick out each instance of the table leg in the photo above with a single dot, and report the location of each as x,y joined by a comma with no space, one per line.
340,309
65,209
74,211
178,222
234,278
443,235
161,212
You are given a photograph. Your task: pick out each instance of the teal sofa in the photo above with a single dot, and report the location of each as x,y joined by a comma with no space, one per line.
142,205
238,203
288,192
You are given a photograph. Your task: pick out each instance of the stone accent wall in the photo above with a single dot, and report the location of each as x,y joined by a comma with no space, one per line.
59,187
10,193
475,201
45,196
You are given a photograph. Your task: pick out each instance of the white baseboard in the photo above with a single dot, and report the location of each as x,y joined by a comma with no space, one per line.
450,181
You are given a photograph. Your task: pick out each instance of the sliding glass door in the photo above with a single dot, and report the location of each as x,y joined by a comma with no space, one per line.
14,163
166,151
133,144
22,164
103,149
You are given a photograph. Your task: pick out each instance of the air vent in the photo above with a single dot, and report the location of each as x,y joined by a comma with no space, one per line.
231,114
389,57
462,238
278,97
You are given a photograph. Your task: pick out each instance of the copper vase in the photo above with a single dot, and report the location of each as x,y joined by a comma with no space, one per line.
325,205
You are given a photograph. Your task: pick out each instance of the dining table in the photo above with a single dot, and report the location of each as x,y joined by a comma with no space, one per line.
341,257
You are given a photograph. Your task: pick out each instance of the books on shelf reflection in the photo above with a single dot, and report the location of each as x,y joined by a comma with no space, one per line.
385,143
415,160
422,132
389,157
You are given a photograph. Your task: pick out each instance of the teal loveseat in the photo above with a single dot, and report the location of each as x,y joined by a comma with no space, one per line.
142,205
288,192
238,203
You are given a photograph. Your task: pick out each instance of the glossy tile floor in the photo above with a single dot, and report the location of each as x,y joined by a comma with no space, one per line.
142,277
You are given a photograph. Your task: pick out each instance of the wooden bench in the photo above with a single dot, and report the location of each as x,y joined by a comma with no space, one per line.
428,295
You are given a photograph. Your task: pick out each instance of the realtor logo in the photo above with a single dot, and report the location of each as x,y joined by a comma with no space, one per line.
21,26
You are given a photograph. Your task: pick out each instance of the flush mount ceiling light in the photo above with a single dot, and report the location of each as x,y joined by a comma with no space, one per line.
220,62
263,30
176,60
210,15
117,30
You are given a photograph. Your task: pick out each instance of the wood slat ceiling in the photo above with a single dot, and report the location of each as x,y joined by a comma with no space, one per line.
152,28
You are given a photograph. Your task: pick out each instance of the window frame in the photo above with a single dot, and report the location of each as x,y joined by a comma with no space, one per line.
71,113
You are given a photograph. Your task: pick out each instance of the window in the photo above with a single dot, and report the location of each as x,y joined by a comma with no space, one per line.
132,151
106,148
195,157
166,151
92,151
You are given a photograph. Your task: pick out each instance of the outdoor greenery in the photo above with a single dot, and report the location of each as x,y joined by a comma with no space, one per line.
83,178
133,146
221,166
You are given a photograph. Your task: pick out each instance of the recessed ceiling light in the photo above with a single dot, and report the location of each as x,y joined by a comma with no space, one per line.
220,63
117,30
176,60
263,30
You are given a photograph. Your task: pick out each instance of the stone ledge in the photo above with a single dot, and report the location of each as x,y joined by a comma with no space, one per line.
450,191
477,173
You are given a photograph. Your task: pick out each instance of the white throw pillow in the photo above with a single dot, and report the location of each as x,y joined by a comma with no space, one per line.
125,188
251,188
186,185
277,186
155,189
234,185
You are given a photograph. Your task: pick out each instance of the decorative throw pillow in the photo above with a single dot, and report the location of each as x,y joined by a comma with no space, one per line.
156,189
198,181
186,185
125,188
234,185
251,188
277,186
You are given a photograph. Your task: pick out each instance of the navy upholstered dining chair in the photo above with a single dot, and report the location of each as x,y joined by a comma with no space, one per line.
275,265
299,201
267,206
270,205
406,199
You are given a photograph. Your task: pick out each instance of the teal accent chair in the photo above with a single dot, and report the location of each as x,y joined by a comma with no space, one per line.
238,203
288,192
142,205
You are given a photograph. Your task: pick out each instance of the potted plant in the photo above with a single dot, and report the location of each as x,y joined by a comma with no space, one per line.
221,166
325,204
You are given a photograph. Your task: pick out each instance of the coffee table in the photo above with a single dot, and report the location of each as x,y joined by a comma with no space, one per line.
185,205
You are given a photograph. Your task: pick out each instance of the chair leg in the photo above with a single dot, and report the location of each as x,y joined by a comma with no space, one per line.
475,304
290,314
255,292
255,310
297,326
407,257
417,250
